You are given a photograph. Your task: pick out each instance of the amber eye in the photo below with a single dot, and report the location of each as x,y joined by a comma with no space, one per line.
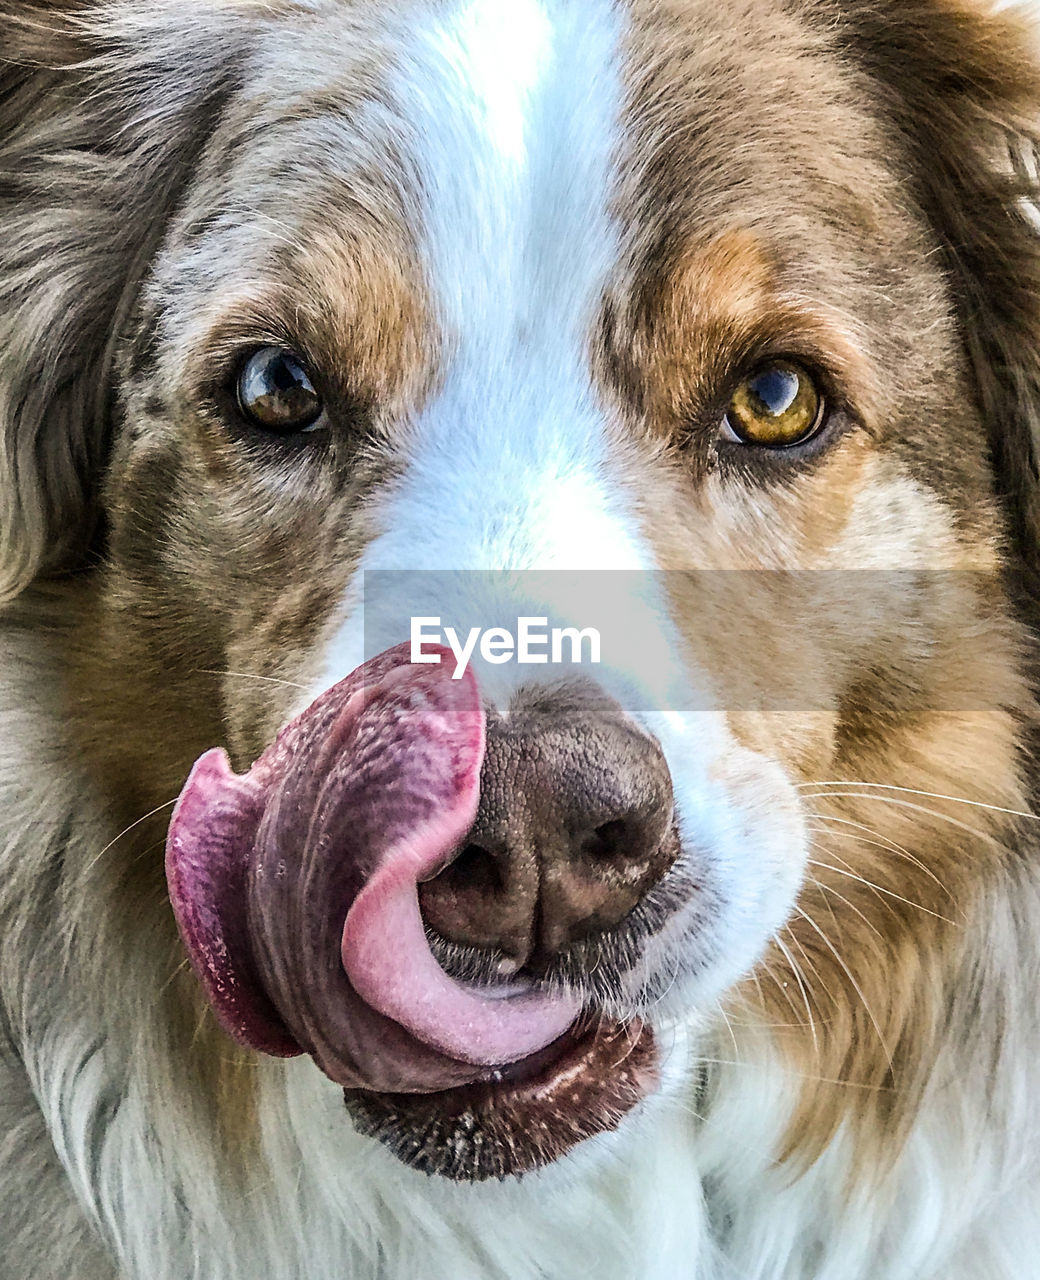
276,394
778,405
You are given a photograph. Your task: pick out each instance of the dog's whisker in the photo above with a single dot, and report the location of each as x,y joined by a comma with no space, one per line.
825,848
708,1121
825,901
814,968
852,979
177,971
782,986
882,842
200,1023
826,888
729,1026
913,791
849,874
762,1024
661,996
756,1023
249,675
802,980
632,1043
126,831
929,811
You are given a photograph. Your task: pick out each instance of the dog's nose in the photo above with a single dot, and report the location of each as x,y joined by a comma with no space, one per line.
575,824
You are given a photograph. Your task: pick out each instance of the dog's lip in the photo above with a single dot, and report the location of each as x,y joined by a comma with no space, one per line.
520,1117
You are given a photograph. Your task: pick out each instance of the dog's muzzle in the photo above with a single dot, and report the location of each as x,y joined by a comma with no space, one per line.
396,824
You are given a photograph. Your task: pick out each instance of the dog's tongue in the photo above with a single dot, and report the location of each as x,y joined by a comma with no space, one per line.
295,886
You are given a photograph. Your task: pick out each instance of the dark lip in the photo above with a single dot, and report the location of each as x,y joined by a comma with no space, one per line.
525,1116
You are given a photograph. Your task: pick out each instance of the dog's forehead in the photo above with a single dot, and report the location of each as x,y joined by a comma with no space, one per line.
512,115
484,189
531,148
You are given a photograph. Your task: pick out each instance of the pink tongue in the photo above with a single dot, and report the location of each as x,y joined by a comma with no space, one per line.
295,886
390,965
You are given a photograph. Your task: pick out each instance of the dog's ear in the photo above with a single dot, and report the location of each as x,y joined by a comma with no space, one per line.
100,123
962,84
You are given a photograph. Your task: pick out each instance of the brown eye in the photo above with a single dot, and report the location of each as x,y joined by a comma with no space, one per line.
276,394
778,405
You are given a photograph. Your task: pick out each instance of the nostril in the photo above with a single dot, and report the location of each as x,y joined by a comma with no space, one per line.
610,842
480,903
475,869
571,831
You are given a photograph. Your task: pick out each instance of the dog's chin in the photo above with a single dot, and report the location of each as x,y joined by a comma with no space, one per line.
528,1116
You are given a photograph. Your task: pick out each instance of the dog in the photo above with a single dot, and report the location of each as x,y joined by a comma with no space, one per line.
327,954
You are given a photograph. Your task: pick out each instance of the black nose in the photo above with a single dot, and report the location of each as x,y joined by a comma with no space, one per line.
575,824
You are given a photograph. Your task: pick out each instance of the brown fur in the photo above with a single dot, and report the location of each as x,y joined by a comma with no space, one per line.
869,996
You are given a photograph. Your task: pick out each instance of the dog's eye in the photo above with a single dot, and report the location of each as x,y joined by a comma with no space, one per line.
778,405
276,394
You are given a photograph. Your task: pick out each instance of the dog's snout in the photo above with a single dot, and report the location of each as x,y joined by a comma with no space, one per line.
575,824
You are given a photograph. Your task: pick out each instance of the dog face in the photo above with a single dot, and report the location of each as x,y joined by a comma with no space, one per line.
658,289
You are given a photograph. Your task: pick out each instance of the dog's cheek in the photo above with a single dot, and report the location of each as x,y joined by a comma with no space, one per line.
745,848
803,743
236,569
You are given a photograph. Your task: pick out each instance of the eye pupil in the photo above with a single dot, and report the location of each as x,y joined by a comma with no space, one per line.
776,406
275,392
775,390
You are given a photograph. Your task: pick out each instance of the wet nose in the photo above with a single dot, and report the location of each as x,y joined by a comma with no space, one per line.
575,824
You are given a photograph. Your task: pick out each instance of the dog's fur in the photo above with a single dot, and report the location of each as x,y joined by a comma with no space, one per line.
528,243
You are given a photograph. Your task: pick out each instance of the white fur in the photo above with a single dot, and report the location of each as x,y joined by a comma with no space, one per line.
513,118
687,1191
